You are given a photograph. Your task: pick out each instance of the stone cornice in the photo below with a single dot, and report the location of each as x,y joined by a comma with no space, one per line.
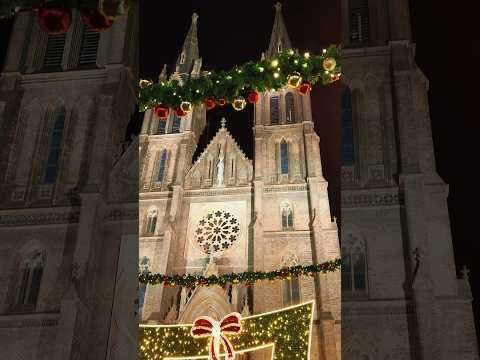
63,76
123,212
286,234
371,198
219,191
31,320
39,216
285,188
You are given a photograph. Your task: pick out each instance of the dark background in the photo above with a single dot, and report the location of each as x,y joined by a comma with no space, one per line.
448,49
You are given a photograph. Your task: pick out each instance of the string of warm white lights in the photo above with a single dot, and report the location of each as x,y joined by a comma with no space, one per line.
248,278
287,331
242,83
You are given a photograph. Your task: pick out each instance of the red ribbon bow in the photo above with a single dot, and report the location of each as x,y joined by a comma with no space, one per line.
207,327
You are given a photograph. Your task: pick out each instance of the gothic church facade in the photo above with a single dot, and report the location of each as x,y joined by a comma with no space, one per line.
401,298
227,213
68,192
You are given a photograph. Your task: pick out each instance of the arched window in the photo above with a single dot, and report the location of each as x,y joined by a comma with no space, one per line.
284,157
290,108
279,46
359,21
89,46
162,127
291,287
182,57
54,52
31,272
287,216
354,274
274,110
151,220
54,149
176,122
162,166
348,149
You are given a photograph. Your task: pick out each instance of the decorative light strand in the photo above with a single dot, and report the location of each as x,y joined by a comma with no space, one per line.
248,278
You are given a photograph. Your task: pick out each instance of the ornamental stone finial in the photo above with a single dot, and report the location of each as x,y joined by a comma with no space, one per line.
194,18
465,272
223,122
278,6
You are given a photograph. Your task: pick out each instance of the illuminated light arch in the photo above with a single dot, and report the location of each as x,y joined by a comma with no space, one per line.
287,332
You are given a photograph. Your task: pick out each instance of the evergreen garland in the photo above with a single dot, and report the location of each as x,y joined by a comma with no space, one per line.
8,8
248,278
251,76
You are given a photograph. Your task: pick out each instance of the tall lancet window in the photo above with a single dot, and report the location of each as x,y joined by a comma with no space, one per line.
151,220
182,57
287,216
54,149
348,148
291,287
89,46
162,127
354,265
54,52
279,46
290,108
284,157
162,165
274,110
359,21
31,272
176,122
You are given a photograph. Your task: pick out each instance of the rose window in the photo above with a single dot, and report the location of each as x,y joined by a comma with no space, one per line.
217,231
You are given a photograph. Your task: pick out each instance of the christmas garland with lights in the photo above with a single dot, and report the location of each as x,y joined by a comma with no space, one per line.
241,83
55,16
248,278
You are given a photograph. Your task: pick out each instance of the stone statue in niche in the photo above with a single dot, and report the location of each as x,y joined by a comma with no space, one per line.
220,168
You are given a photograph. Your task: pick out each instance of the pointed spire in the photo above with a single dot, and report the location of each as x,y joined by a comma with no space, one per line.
163,74
279,40
189,52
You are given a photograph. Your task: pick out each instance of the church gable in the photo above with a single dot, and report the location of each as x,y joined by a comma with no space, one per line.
222,164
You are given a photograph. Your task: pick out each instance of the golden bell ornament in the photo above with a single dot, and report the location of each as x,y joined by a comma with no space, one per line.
294,80
329,64
186,106
239,103
144,83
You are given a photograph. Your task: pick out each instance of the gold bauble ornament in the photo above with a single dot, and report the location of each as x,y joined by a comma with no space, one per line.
186,106
145,83
239,103
329,64
294,80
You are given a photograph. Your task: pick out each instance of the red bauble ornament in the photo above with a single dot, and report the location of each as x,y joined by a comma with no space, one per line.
161,111
222,101
96,20
209,103
304,88
180,113
253,97
54,18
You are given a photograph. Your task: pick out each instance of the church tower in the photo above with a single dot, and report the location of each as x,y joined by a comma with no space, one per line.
400,294
68,215
226,213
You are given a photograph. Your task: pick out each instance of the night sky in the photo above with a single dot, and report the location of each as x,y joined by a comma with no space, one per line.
230,36
447,51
